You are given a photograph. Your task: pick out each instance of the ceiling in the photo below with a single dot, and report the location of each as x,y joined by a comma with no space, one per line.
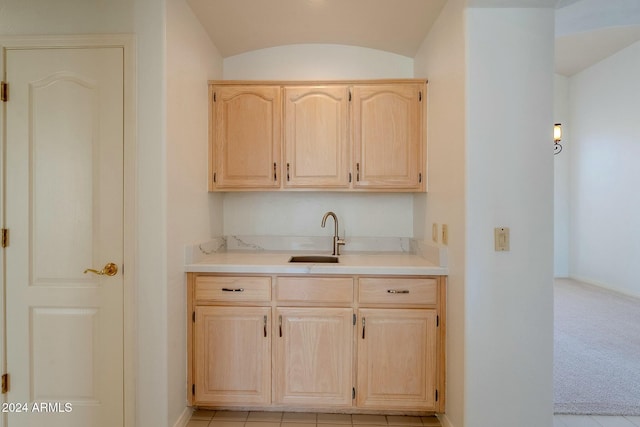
587,30
575,52
243,25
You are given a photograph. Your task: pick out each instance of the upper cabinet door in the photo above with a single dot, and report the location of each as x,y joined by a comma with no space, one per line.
388,136
316,137
246,130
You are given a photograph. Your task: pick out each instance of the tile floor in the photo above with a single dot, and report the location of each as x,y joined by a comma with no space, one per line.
299,419
295,419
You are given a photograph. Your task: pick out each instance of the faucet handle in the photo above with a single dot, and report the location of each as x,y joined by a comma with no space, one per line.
337,242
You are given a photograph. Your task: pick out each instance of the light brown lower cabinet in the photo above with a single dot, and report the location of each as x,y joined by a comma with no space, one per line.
232,349
354,344
397,359
313,354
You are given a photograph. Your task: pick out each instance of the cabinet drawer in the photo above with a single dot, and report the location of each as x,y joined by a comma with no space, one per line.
239,288
314,289
397,291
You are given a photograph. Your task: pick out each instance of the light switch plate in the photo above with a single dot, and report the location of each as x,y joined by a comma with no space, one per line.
501,239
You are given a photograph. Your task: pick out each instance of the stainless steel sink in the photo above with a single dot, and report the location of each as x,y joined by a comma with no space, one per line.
314,258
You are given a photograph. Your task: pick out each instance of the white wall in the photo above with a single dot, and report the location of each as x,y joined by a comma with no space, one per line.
605,148
509,295
317,61
22,17
441,59
151,300
192,213
561,115
299,214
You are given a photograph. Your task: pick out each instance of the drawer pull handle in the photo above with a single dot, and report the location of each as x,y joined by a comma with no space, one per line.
233,290
364,325
265,326
280,324
395,291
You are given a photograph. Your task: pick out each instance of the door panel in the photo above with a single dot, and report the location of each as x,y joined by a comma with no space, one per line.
59,173
397,359
247,136
316,136
64,208
387,136
314,356
232,356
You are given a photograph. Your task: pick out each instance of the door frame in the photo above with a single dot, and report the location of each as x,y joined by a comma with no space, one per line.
127,43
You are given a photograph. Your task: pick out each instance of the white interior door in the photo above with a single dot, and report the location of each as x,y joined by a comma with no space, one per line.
64,210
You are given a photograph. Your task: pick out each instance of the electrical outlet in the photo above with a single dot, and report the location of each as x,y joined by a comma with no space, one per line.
434,233
501,239
445,234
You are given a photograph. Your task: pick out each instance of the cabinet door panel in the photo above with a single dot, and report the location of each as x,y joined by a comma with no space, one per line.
232,356
247,123
314,356
397,359
316,136
387,136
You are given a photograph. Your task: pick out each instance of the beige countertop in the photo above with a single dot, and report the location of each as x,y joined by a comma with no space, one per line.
350,263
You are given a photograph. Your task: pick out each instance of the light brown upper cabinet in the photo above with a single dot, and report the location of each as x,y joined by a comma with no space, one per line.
316,137
245,129
387,136
337,136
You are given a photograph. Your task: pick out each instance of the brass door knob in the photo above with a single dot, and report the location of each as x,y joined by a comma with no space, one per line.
109,270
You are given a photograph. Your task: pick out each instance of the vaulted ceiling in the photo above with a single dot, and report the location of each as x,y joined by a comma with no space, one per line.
243,25
587,31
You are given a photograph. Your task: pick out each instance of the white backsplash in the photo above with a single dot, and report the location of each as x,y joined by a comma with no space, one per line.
320,244
197,252
317,243
273,213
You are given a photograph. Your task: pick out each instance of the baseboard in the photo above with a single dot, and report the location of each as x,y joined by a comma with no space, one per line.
444,420
184,417
606,286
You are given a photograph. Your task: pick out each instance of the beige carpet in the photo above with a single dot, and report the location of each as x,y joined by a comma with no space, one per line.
597,351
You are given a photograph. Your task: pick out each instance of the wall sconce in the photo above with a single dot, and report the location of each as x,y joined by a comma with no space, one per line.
557,137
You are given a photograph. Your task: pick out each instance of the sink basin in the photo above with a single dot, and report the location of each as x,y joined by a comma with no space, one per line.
314,258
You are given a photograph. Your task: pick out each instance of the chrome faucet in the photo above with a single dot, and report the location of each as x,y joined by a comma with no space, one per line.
337,241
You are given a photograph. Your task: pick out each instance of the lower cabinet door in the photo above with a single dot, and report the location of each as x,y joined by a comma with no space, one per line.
397,359
232,348
313,356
